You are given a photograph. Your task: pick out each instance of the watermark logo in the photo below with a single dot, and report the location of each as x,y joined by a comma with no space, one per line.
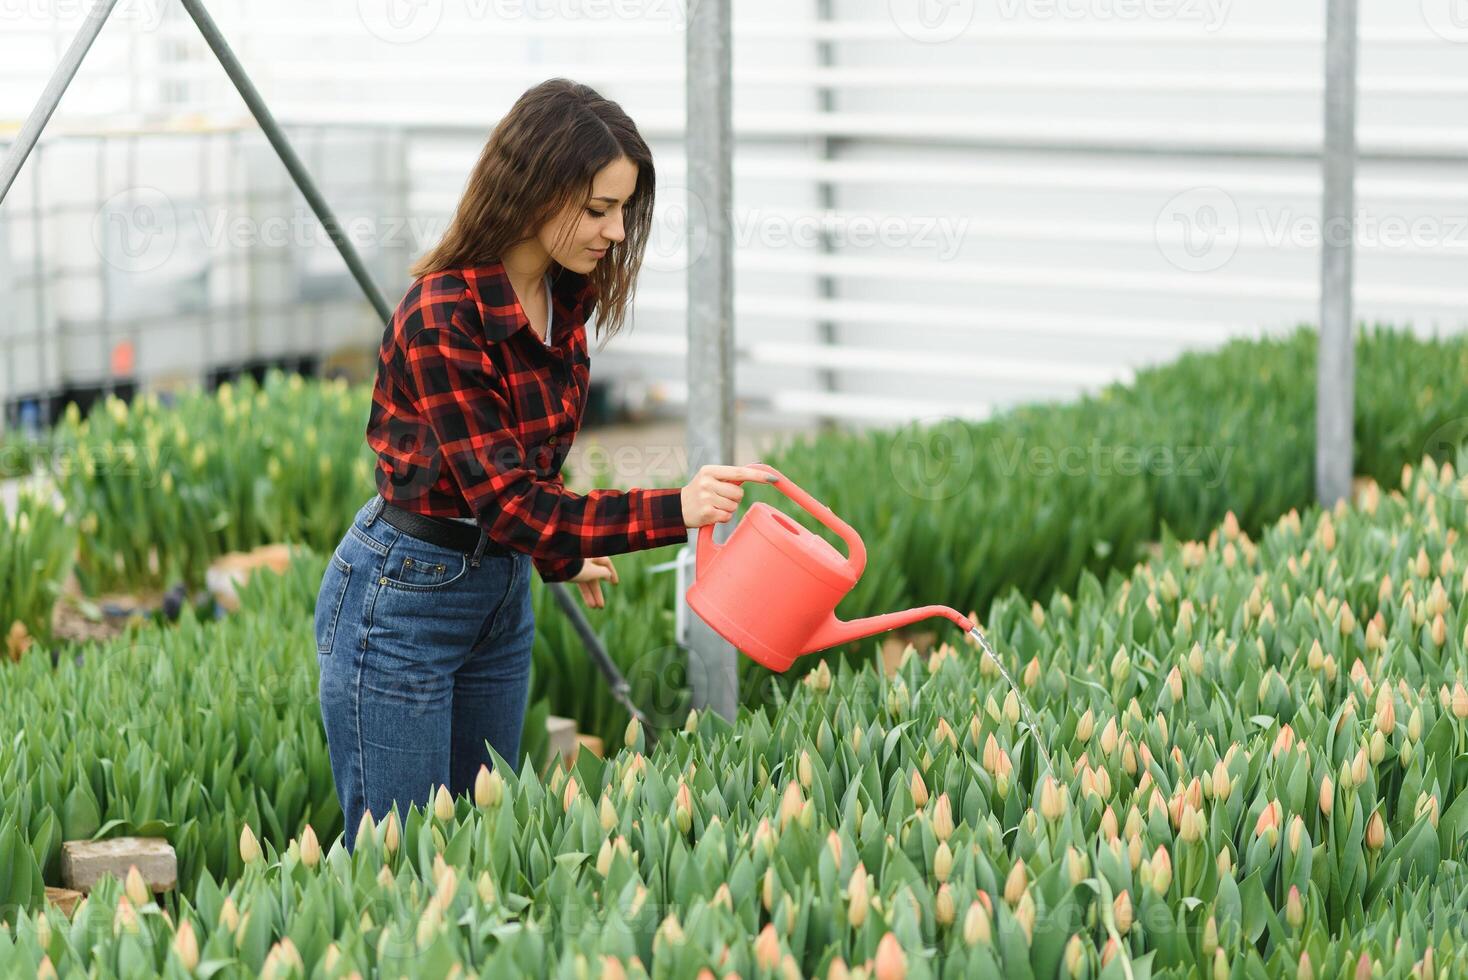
1448,19
400,21
136,230
933,458
680,230
932,21
1446,444
1199,229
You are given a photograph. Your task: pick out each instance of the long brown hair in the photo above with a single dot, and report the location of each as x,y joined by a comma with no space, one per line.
540,159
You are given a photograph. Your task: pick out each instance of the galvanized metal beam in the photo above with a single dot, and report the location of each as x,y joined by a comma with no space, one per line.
712,660
1336,366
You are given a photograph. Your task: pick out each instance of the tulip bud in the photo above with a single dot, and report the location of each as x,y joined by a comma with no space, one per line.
1052,799
249,846
1161,870
1075,956
489,787
391,834
1015,884
1294,908
942,862
186,945
919,790
976,928
310,848
1121,910
1220,965
683,808
1210,936
891,961
1109,736
1085,727
1375,832
443,804
135,888
943,818
1011,707
1386,712
767,948
1305,971
858,898
945,908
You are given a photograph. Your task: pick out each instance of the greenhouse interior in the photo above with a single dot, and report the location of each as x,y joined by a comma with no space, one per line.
1013,527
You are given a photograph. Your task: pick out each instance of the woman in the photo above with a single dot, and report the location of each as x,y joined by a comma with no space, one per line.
424,625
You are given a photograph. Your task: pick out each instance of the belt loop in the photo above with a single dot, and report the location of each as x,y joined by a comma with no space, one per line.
378,503
479,548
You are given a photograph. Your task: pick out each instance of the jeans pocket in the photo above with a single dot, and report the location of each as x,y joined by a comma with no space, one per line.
415,565
329,601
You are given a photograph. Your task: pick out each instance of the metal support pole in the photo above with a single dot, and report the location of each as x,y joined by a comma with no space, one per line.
1336,368
293,164
25,140
712,660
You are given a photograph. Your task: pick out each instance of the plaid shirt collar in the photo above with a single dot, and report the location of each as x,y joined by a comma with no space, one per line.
572,293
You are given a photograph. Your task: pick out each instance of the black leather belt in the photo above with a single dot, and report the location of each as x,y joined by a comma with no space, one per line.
440,531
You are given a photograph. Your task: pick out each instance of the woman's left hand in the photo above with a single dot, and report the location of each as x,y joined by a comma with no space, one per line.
593,571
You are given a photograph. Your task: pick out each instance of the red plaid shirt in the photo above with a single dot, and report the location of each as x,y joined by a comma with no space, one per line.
473,415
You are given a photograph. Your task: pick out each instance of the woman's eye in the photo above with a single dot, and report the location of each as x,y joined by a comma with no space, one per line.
595,213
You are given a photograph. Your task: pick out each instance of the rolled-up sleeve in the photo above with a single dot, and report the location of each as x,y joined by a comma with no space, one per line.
465,401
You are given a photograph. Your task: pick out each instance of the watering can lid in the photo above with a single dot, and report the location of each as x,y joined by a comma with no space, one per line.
806,548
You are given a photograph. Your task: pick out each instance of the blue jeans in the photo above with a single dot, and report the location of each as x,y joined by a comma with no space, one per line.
424,658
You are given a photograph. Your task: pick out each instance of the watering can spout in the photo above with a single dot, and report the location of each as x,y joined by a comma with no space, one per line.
834,632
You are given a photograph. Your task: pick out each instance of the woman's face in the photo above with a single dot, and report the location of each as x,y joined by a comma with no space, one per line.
596,222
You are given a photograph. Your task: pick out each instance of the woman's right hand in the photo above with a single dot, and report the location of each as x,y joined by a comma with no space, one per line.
714,493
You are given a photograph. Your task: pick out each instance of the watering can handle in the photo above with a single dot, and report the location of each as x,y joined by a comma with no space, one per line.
856,560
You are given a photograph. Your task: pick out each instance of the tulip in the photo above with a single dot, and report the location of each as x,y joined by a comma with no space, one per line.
919,790
942,862
891,962
310,848
443,804
1294,908
1015,883
1121,910
943,818
976,927
489,787
391,834
135,888
945,908
858,898
249,846
1375,832
186,946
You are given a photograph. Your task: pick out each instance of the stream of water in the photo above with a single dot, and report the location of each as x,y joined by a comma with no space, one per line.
1024,705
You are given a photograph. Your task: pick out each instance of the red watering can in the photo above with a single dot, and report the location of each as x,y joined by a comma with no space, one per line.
772,588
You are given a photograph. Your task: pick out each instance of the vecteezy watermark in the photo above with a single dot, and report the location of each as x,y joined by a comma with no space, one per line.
933,458
1208,14
139,15
1098,459
1201,229
137,230
410,21
1448,19
1447,444
931,21
681,228
936,21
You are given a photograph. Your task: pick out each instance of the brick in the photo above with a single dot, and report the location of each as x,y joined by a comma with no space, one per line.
562,735
84,862
64,899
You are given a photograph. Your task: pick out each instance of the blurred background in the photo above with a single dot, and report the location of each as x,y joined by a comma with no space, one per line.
942,208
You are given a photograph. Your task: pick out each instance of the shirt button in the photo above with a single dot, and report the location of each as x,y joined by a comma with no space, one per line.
382,581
